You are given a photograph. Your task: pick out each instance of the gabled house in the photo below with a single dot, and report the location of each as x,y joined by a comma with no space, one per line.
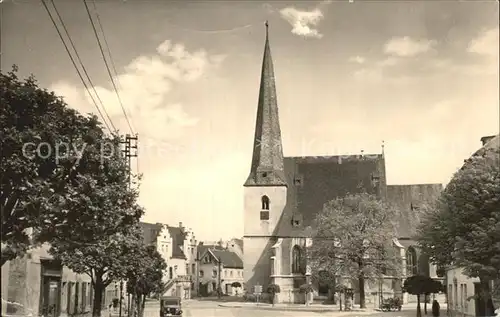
177,245
219,265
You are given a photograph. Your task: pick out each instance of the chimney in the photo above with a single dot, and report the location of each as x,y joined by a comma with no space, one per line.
180,225
486,139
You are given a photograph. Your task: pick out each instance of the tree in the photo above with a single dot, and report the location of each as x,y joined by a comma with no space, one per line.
421,285
33,183
467,222
105,261
101,228
353,236
272,290
306,289
147,277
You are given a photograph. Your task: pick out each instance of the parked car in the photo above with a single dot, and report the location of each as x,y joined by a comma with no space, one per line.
170,306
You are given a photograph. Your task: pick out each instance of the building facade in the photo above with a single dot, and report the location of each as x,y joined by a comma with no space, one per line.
37,285
282,196
220,266
462,288
178,247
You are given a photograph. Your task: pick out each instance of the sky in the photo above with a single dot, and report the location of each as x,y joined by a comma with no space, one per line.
420,76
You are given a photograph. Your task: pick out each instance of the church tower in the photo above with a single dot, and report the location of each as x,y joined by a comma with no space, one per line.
265,189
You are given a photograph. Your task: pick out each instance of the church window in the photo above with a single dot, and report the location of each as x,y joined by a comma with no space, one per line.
265,202
296,259
264,213
411,261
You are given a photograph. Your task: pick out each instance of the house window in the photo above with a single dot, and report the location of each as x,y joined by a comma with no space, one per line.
230,273
296,259
466,304
187,268
202,273
462,299
170,273
411,261
193,268
214,273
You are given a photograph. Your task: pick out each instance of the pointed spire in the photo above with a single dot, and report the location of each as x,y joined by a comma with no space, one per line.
267,161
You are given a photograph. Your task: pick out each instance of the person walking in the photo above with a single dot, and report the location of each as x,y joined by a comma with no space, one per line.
435,308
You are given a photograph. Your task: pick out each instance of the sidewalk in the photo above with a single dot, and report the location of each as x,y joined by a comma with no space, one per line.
296,307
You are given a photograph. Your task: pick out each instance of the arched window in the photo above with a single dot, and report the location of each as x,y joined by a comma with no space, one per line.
264,212
265,202
411,261
296,259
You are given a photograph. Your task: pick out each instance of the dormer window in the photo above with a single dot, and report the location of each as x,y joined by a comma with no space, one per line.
264,212
297,181
297,220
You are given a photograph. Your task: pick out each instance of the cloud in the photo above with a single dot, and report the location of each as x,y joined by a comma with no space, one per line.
357,59
303,22
144,89
407,47
486,43
400,52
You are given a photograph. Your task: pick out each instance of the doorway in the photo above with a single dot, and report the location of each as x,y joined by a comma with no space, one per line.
51,290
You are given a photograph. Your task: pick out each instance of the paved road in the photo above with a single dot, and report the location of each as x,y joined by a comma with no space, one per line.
211,309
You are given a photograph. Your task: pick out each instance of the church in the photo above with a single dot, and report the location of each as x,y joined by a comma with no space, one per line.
282,196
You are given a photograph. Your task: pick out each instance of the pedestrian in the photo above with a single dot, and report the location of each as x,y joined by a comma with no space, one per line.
435,308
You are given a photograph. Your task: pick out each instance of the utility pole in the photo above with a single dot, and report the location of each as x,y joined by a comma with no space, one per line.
128,155
219,290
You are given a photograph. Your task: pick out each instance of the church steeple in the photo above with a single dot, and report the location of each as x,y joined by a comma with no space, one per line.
267,161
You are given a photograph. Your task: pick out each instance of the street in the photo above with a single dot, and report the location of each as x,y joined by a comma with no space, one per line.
194,308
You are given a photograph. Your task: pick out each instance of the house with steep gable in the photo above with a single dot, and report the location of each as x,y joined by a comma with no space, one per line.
177,245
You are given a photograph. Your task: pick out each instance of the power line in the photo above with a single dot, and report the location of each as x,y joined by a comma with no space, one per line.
81,64
107,66
74,63
107,47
